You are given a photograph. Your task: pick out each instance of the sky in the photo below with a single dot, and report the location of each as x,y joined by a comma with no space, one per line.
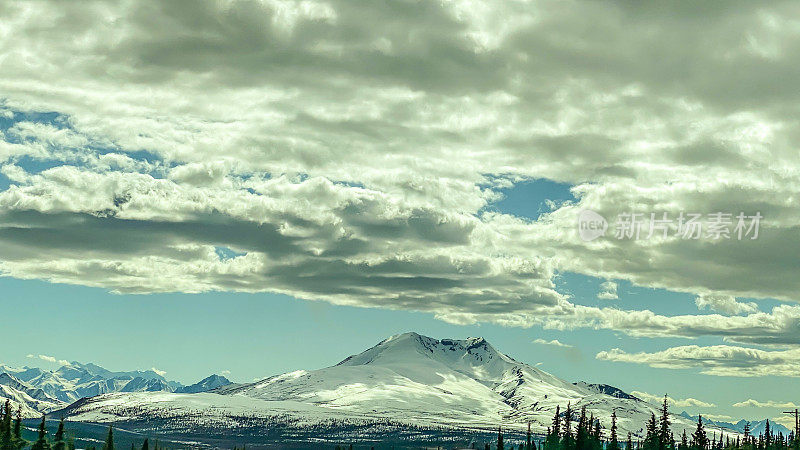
252,187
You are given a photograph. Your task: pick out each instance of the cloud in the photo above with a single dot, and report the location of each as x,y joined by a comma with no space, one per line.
719,360
158,372
726,304
677,403
50,359
554,343
785,420
225,372
608,291
750,403
341,175
718,417
779,327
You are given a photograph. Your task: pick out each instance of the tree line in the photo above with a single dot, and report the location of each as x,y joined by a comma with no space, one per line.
11,435
564,433
588,434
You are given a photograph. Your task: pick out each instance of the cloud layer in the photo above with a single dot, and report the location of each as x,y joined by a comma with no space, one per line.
353,154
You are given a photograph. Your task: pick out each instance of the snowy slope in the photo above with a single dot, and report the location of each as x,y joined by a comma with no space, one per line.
73,381
33,401
406,378
206,384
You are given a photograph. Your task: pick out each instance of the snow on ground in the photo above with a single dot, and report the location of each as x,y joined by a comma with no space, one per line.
407,378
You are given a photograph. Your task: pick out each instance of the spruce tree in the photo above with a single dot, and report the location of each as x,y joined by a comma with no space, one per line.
613,444
109,445
567,442
664,439
651,436
629,443
18,425
554,434
58,442
528,438
767,435
699,438
146,445
500,439
41,443
5,425
582,431
597,433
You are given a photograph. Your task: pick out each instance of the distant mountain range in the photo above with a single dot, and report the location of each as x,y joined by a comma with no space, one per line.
39,390
417,381
757,427
405,384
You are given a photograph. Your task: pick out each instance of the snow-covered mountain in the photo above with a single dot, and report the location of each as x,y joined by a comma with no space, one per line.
206,384
73,381
757,427
407,378
33,401
40,391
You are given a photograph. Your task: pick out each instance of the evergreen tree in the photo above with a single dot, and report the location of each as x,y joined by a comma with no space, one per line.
699,438
651,437
629,443
613,444
568,442
18,425
146,445
664,438
5,426
41,443
767,435
500,439
684,441
109,445
528,438
554,434
59,443
582,432
597,435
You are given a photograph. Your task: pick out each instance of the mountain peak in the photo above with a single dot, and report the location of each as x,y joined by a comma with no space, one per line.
411,351
206,384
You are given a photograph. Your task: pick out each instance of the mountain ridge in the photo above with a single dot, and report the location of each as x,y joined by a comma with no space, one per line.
409,378
39,391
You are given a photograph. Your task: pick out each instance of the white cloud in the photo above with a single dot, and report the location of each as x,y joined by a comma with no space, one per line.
719,360
50,359
776,328
676,403
159,372
553,343
750,403
726,304
608,291
225,372
719,417
344,179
